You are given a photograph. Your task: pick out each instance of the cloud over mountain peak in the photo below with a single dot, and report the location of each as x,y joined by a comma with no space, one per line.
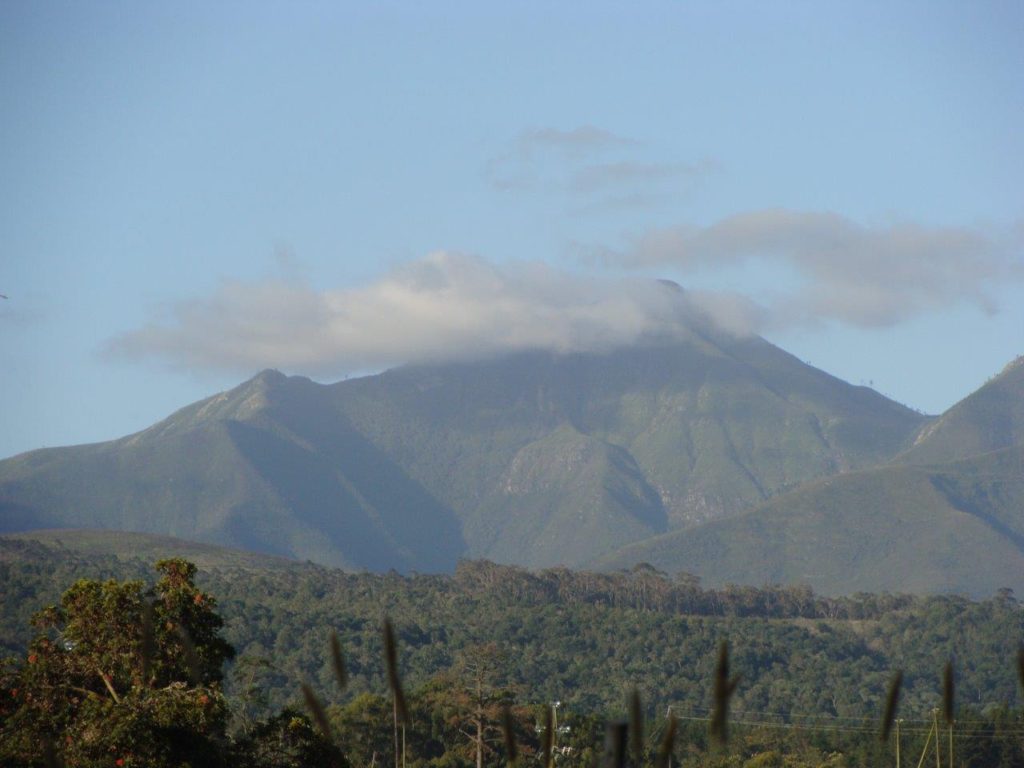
445,306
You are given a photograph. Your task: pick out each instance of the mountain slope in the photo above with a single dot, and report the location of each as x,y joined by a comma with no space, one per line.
536,458
146,547
716,424
238,470
953,527
988,419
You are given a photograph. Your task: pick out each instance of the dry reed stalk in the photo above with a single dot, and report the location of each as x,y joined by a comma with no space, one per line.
668,743
508,731
947,692
891,700
191,657
636,727
148,645
724,689
317,710
549,737
338,662
615,756
50,757
394,681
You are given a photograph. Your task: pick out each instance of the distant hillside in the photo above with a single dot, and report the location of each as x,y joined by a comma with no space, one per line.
537,458
986,420
948,528
142,546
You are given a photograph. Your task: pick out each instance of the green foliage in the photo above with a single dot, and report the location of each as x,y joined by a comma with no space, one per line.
111,676
287,740
813,670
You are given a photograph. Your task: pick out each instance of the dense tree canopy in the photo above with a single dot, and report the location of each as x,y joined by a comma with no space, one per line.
122,675
118,671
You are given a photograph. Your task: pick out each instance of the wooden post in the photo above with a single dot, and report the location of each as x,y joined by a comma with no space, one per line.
927,741
394,725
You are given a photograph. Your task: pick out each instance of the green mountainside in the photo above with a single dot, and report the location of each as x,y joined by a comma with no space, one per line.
536,458
987,420
69,546
955,527
233,470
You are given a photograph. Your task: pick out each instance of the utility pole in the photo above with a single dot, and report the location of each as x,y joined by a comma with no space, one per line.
668,717
554,726
927,741
394,725
950,744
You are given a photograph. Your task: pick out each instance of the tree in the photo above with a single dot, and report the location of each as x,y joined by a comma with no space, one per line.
475,701
121,675
364,727
287,740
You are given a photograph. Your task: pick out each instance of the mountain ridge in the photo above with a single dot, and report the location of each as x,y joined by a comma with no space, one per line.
988,419
948,527
537,459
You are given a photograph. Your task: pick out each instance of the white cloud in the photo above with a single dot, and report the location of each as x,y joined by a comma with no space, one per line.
598,176
450,306
856,274
585,138
447,306
597,169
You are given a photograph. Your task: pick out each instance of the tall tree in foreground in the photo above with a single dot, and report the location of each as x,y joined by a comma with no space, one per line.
120,675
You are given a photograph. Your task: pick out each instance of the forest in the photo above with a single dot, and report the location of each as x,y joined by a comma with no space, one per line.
554,659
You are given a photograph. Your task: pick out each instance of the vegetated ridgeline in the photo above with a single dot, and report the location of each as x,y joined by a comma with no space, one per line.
535,458
720,456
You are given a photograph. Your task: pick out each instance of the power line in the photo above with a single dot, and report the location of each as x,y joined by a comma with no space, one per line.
973,733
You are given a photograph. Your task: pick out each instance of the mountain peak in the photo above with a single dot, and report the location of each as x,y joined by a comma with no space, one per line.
538,458
268,376
1015,365
989,419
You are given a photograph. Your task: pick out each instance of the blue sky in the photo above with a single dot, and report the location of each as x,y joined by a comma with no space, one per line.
191,192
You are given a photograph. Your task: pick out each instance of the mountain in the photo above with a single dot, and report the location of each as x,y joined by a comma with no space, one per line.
955,527
146,547
534,458
269,466
946,515
989,419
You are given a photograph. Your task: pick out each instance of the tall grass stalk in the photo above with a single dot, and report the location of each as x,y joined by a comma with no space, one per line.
724,689
338,662
317,710
891,701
